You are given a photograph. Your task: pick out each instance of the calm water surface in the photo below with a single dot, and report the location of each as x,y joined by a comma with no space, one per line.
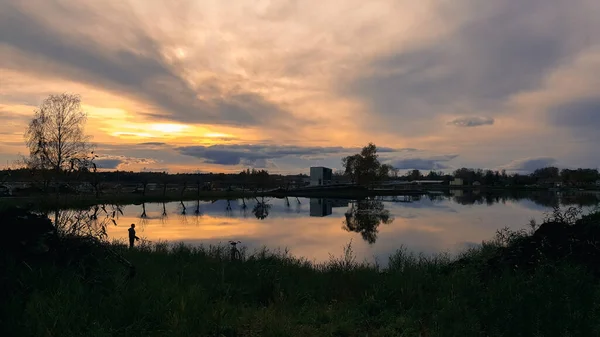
318,228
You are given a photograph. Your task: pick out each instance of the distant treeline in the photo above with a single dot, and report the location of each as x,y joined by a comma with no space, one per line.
542,198
254,178
542,176
549,176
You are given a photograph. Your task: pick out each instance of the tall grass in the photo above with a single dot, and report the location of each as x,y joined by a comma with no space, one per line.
197,291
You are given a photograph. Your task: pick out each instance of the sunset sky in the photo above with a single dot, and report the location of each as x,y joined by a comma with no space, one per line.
221,85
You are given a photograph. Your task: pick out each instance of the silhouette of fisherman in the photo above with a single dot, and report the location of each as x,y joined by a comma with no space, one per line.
132,236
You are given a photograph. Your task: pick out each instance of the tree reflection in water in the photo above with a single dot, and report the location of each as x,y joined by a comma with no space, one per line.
143,216
182,208
228,209
365,216
164,214
244,208
197,211
261,209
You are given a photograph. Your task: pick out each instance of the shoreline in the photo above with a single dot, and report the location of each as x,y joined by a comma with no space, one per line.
87,200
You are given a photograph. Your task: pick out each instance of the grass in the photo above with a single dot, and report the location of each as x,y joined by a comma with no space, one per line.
187,291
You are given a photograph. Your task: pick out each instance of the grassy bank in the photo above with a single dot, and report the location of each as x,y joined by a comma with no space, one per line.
198,292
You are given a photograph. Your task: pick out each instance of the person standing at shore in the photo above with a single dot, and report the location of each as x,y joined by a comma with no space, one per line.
132,236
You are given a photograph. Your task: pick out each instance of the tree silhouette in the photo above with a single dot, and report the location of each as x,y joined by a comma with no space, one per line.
415,175
55,136
364,168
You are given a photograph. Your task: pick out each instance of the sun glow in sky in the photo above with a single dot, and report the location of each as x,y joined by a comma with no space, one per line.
220,85
168,128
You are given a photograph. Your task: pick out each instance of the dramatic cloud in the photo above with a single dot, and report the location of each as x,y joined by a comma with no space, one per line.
471,121
506,48
529,164
427,163
259,154
39,46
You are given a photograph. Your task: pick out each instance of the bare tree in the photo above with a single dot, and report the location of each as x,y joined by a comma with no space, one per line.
55,136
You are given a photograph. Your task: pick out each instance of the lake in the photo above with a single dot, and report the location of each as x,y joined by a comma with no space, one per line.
318,228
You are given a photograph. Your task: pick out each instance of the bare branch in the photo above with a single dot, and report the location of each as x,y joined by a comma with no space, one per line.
55,136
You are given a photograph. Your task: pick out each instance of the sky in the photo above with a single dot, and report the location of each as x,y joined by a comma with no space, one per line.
218,86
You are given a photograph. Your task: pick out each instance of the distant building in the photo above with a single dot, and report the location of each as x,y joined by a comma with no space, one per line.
320,207
320,176
457,182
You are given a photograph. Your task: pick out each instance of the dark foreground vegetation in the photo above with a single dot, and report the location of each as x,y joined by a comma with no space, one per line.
70,282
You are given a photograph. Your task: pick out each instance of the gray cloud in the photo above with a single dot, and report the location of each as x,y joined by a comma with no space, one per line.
235,154
152,144
108,163
472,121
260,154
151,154
423,163
529,164
485,61
583,114
43,49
